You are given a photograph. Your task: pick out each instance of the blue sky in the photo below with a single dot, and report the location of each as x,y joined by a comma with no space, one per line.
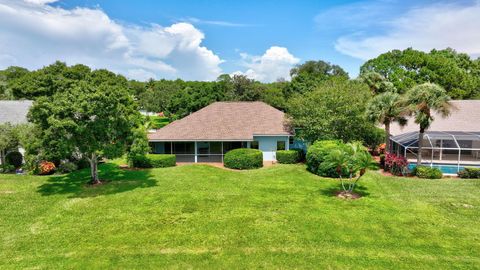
201,39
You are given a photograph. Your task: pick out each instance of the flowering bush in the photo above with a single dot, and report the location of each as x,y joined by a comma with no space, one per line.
46,167
381,148
397,165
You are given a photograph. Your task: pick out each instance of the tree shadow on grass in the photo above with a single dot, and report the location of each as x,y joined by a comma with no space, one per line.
331,191
115,180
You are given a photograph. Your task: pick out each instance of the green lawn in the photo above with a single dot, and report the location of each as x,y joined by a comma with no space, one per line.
199,216
158,121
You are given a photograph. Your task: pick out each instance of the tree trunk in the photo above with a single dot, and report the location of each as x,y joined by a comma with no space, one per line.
94,170
2,157
420,146
387,137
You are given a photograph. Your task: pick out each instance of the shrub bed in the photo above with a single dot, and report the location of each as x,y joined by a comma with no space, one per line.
288,156
154,161
469,172
14,158
428,172
243,159
397,165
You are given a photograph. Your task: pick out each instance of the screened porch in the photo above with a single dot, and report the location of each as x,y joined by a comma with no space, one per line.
456,148
206,151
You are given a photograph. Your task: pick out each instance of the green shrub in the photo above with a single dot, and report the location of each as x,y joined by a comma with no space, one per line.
162,160
14,158
136,156
316,155
6,168
428,172
82,163
67,167
288,156
139,161
301,154
470,172
382,161
243,158
153,161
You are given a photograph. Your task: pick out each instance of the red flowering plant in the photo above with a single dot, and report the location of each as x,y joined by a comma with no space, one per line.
46,167
397,165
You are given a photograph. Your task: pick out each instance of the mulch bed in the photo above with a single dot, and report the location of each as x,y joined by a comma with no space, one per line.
346,195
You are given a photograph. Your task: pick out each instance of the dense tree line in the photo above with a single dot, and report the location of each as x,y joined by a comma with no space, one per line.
456,72
321,99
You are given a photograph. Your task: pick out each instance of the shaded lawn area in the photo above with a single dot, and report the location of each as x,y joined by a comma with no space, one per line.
198,216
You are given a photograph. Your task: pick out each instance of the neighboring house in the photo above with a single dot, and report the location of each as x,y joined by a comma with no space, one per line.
451,143
206,135
14,112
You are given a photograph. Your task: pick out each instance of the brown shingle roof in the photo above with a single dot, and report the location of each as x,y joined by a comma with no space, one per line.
465,116
225,121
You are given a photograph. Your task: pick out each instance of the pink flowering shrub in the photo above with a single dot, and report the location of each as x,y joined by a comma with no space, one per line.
397,165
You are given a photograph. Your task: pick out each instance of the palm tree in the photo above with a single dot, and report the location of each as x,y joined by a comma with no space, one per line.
385,109
424,100
377,82
352,159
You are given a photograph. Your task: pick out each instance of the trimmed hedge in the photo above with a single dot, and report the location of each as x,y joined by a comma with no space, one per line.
162,161
154,161
470,172
14,158
288,156
243,159
428,172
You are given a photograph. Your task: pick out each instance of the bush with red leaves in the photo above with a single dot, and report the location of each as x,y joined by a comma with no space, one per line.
46,167
397,165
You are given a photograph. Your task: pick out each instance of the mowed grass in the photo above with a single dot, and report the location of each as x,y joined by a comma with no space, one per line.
198,216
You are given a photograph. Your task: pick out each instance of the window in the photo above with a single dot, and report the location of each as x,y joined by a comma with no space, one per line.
290,140
280,145
254,145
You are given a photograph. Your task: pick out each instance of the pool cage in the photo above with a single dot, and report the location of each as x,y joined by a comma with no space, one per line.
449,148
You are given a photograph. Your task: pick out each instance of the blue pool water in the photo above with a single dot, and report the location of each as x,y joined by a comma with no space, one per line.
445,168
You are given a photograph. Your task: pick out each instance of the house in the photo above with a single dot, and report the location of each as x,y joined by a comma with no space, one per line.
449,143
206,135
14,112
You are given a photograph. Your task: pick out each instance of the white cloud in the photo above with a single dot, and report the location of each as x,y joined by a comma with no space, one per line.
275,63
442,25
34,34
216,23
41,2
